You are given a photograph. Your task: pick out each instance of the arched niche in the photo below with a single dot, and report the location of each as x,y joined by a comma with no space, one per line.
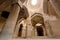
35,19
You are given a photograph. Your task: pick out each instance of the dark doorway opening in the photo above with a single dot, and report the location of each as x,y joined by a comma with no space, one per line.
40,31
20,30
5,14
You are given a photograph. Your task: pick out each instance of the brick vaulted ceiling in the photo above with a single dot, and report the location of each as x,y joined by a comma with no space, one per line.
6,4
34,7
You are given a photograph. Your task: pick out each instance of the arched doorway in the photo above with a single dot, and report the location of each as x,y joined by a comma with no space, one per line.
37,19
20,24
20,30
39,29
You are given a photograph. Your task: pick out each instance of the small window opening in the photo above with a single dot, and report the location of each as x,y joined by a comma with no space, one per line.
5,14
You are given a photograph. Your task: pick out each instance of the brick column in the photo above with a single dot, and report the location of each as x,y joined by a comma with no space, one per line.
11,21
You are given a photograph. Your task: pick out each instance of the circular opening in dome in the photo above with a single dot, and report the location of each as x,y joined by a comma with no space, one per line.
33,2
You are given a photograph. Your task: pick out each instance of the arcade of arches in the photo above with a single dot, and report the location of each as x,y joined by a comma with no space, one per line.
23,19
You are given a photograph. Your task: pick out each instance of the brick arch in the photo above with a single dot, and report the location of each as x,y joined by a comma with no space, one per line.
37,18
